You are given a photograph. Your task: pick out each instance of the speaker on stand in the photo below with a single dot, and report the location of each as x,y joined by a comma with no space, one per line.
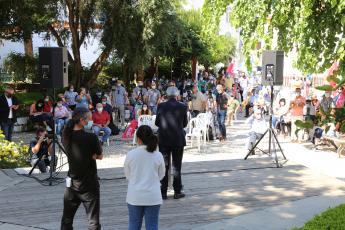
53,67
53,72
275,59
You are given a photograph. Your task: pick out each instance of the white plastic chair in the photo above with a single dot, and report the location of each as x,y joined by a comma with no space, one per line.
205,122
194,132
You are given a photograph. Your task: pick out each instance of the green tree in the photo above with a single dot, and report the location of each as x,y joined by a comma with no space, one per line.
21,66
19,19
315,28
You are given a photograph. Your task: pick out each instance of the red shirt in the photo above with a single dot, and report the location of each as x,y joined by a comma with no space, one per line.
48,106
100,118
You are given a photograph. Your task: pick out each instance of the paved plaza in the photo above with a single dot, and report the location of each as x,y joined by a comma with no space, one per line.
223,190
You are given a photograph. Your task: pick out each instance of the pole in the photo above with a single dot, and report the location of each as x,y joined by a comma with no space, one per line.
52,162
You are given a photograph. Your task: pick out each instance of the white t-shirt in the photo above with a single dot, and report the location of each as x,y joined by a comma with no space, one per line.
10,103
144,171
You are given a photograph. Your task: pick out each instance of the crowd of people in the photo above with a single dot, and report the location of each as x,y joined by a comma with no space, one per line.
80,117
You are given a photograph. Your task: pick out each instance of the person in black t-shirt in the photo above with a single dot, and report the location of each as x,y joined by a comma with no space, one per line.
222,107
82,149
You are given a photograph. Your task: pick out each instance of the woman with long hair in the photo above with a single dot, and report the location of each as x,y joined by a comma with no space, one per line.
144,168
82,184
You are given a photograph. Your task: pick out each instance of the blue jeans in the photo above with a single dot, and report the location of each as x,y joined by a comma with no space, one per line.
136,214
60,123
153,109
7,128
221,115
106,130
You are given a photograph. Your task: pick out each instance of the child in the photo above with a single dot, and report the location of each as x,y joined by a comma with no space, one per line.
233,105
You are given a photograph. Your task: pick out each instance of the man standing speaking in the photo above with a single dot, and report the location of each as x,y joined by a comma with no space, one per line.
171,121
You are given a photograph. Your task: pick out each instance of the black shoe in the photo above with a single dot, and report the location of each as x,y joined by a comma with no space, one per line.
179,195
164,196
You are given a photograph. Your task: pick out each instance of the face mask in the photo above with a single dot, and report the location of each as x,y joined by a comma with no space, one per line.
153,87
327,95
298,94
71,89
89,125
59,105
144,108
140,84
46,100
104,102
118,85
99,109
219,91
8,94
99,94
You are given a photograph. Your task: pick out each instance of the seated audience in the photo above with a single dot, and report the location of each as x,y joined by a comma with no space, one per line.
47,105
38,115
144,111
61,115
101,120
279,112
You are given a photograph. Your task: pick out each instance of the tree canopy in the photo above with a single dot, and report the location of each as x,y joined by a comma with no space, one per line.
132,32
315,28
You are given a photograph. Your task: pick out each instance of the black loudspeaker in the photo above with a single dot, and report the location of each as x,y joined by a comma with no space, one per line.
272,67
53,67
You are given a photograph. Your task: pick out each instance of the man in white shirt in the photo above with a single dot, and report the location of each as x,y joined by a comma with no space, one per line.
198,103
8,107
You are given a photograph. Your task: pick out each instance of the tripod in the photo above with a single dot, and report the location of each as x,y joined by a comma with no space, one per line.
272,139
53,161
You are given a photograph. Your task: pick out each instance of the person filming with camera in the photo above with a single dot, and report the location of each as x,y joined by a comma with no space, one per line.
40,149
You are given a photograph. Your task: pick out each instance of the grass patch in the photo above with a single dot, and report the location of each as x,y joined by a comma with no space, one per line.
332,219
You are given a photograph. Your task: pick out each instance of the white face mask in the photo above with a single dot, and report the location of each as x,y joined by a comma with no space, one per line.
327,95
104,102
59,105
46,100
153,87
219,91
99,109
71,89
298,93
145,108
118,84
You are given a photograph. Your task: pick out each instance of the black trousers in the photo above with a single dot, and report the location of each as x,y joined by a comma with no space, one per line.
248,106
91,202
177,154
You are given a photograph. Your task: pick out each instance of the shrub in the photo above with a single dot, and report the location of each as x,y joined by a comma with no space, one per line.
333,218
12,154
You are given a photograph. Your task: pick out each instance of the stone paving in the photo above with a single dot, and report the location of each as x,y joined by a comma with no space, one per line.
219,184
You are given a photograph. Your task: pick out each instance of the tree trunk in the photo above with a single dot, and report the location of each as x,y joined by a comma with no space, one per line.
194,63
28,47
96,68
156,65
